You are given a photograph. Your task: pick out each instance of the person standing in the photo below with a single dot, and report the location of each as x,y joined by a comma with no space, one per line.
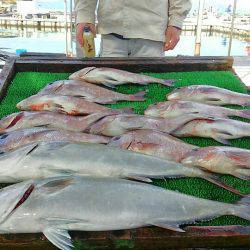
133,28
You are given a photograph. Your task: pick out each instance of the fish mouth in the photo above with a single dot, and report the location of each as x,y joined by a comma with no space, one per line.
20,105
173,97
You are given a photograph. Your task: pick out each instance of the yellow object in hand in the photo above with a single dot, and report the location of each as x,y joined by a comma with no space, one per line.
88,43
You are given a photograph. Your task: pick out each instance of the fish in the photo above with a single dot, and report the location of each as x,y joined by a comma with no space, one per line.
112,77
209,95
172,109
89,92
65,104
16,139
223,160
50,159
54,206
153,143
26,119
115,125
221,130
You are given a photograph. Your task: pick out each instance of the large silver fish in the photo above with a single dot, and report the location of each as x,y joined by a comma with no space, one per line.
25,119
16,139
210,95
220,130
154,143
90,92
43,160
58,205
172,109
223,160
113,77
65,104
115,125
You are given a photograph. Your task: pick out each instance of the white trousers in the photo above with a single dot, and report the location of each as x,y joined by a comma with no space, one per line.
112,46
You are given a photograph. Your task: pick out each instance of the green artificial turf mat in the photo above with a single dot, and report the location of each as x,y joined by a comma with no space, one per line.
29,83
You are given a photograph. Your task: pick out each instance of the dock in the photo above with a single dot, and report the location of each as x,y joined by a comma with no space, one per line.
40,23
242,68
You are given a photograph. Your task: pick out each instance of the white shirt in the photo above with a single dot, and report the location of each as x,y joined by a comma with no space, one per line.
146,19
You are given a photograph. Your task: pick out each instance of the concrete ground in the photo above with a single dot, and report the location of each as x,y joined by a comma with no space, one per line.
242,68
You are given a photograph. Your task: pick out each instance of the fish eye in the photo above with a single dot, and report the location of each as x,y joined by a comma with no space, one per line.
2,137
117,138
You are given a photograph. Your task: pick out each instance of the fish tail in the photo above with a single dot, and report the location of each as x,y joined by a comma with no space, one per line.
244,113
215,180
242,208
169,82
140,96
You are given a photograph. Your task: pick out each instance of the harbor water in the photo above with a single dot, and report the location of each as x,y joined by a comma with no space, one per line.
53,41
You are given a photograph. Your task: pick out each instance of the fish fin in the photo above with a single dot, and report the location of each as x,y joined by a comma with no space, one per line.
215,180
240,176
169,82
140,178
57,221
242,159
93,118
244,114
57,184
60,108
242,172
58,172
82,97
42,126
219,136
59,237
244,201
222,140
213,99
243,165
140,96
169,226
192,119
242,208
224,132
109,85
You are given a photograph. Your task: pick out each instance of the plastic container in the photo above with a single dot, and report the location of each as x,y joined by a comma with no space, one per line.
89,43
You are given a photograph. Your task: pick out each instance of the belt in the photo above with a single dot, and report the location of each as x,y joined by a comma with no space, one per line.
119,36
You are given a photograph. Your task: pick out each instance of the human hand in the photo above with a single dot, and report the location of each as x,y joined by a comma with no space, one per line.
79,31
172,37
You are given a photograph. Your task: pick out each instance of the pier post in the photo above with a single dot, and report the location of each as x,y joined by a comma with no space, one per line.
232,28
199,29
39,25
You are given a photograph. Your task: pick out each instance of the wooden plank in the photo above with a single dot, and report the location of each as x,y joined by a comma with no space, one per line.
144,238
4,55
49,55
168,64
6,76
147,238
